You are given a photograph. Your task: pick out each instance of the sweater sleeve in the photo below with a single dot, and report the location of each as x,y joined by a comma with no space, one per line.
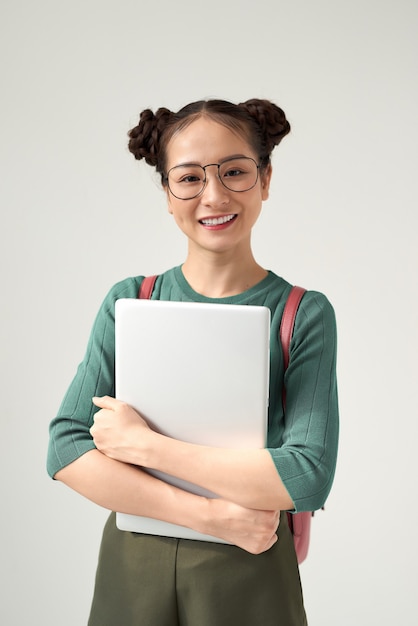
70,430
306,459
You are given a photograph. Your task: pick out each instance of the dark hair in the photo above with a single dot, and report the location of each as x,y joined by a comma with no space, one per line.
262,122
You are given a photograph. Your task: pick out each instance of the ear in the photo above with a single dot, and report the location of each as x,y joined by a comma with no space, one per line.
265,182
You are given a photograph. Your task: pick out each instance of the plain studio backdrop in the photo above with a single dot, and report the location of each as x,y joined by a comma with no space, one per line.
79,214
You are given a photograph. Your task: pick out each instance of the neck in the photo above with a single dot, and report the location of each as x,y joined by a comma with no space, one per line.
217,276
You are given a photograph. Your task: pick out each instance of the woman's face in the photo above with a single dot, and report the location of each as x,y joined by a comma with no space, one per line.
218,220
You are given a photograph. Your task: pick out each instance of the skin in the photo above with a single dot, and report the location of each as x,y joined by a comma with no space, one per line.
219,263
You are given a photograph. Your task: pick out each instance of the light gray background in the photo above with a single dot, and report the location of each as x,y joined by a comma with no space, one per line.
78,214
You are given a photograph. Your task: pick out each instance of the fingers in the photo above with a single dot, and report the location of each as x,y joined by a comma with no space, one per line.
251,529
106,402
274,538
257,544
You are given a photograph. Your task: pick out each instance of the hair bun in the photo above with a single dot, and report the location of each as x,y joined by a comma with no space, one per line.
144,139
271,120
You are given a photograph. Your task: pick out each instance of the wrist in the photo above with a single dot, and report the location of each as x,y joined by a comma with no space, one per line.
148,445
204,515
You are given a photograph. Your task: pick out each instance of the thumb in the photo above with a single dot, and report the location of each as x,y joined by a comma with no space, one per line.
105,402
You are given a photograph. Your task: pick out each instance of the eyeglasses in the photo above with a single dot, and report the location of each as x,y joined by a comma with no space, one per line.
189,180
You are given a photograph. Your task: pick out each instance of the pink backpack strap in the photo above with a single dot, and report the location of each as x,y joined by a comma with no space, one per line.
299,523
146,287
288,320
287,325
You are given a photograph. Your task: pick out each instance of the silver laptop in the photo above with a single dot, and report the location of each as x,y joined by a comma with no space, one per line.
197,372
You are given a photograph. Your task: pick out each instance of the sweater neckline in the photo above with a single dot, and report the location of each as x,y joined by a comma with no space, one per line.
195,296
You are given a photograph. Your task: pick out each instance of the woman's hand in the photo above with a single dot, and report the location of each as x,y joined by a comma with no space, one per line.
250,529
118,430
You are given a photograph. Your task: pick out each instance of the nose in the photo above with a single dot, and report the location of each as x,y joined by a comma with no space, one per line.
214,191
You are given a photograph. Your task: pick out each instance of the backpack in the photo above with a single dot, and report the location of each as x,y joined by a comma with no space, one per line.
299,523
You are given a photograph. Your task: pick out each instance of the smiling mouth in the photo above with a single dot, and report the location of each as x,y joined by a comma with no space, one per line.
217,221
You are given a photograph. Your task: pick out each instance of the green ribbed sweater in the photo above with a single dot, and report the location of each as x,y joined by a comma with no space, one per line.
303,444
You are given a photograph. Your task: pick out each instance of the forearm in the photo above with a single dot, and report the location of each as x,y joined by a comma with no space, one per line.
121,487
247,477
125,488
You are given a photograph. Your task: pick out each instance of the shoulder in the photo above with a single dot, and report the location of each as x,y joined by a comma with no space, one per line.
315,321
126,288
129,288
316,304
312,302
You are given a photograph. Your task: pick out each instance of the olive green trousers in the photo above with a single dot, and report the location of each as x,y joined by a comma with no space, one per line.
144,580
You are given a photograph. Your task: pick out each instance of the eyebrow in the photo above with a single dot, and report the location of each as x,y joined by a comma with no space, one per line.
228,158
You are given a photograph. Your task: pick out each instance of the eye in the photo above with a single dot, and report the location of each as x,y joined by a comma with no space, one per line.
187,175
190,178
233,171
237,168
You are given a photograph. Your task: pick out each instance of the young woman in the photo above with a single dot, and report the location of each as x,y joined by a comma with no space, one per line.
214,162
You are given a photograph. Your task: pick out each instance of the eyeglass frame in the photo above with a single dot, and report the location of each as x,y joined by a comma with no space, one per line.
205,181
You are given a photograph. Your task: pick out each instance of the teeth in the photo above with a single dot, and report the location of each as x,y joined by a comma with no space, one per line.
218,220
